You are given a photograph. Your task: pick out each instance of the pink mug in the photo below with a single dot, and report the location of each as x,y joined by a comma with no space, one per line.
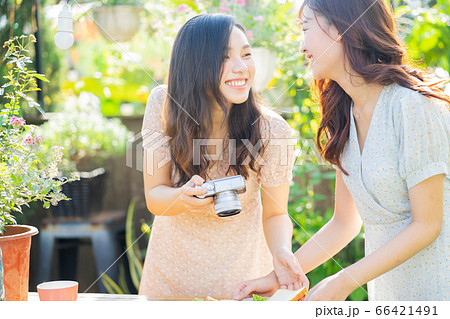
60,290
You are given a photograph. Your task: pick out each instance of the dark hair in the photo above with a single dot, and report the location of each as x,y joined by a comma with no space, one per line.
374,51
194,77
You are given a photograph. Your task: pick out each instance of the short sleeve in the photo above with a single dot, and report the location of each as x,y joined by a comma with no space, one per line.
278,157
154,139
424,138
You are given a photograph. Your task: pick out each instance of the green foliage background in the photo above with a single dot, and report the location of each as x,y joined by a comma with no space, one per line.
109,71
18,17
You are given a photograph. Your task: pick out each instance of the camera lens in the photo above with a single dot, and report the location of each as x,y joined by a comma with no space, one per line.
227,204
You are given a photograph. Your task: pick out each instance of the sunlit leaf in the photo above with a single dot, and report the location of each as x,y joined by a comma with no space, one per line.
41,77
20,64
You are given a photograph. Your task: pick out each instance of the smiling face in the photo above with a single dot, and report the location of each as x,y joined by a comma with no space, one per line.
238,69
321,45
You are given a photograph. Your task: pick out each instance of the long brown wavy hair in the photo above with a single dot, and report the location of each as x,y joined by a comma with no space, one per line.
374,52
195,71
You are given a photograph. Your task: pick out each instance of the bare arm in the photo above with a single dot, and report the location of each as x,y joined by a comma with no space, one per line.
344,226
278,232
276,222
162,199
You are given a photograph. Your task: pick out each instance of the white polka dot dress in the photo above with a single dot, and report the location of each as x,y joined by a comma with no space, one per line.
407,142
202,254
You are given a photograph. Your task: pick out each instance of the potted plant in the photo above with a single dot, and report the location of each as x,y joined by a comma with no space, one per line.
89,139
2,286
22,179
118,20
263,32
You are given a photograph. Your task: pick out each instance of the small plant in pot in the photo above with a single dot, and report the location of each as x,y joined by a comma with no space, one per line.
89,139
27,174
118,20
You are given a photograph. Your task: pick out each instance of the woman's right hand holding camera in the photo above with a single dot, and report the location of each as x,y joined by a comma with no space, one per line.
193,204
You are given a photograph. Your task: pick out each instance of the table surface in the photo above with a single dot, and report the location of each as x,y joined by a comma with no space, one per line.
33,296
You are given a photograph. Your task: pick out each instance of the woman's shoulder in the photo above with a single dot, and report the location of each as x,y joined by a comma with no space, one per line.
272,123
409,100
415,112
407,105
156,98
158,93
399,94
155,102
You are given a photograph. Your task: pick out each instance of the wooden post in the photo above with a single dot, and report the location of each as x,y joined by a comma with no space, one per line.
38,55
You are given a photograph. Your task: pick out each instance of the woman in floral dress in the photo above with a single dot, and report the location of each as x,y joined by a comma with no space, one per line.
208,99
385,128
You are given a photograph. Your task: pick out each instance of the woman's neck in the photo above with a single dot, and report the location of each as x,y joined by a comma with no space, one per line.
219,127
364,95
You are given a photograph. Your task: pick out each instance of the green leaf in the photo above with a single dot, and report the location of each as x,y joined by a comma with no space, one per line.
38,106
258,298
110,285
12,61
41,77
20,65
22,94
122,280
133,253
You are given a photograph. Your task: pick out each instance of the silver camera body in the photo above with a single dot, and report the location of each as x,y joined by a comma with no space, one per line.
225,192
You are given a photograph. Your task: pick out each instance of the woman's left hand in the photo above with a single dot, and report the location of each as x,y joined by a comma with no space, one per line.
288,270
333,288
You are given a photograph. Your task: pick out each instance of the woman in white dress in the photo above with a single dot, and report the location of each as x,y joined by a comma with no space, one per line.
385,129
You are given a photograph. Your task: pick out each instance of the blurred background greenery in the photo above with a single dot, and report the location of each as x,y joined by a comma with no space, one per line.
121,75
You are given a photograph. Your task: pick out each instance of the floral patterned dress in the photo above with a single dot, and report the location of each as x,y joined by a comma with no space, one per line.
407,142
202,254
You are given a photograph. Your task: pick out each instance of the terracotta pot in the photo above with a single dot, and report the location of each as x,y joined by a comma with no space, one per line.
15,244
2,287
